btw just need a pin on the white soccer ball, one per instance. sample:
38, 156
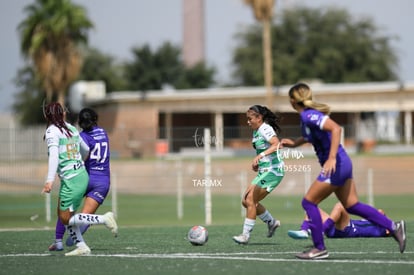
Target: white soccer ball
198, 235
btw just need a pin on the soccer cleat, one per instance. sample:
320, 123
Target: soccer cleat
399, 235
298, 234
241, 239
56, 246
272, 228
111, 223
81, 250
313, 254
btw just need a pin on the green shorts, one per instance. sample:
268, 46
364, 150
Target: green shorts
268, 180
72, 191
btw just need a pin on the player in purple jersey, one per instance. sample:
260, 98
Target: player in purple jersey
338, 224
98, 167
336, 173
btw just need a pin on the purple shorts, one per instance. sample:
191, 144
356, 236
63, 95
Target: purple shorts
98, 188
342, 173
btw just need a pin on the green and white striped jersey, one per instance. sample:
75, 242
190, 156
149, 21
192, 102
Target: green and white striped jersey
260, 141
70, 161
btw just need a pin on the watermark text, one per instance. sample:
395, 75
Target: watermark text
207, 182
199, 139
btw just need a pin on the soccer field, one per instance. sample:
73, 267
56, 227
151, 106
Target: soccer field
164, 250
152, 240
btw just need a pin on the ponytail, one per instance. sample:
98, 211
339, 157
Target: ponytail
273, 119
54, 114
302, 95
88, 118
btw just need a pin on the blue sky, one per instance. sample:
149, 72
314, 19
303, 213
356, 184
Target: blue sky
123, 24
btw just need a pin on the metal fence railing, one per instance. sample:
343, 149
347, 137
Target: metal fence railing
23, 158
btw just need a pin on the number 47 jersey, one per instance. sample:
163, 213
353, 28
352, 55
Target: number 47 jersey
99, 155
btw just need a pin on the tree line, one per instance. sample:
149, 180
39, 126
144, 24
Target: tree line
326, 44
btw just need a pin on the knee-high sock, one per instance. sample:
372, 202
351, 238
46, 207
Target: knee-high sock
315, 223
266, 217
75, 234
86, 219
60, 230
248, 226
370, 213
328, 224
305, 226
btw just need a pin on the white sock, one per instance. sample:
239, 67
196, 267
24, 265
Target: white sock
85, 219
248, 226
266, 217
75, 234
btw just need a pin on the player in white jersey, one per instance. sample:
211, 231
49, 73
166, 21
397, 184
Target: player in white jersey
65, 151
98, 167
269, 166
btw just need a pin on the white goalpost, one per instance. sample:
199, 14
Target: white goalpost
48, 205
180, 203
114, 193
207, 176
370, 187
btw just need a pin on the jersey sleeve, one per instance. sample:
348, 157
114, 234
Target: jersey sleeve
84, 147
51, 137
267, 132
314, 118
53, 161
322, 122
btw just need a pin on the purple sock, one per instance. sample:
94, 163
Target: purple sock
315, 223
60, 230
305, 226
84, 228
328, 224
370, 213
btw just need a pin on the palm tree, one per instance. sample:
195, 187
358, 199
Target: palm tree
50, 38
263, 12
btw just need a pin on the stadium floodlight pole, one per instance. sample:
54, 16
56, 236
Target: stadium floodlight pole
207, 175
267, 56
263, 12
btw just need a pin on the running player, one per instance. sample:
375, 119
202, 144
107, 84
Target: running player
336, 173
65, 148
269, 167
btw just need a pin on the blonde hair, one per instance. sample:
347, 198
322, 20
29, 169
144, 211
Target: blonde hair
302, 95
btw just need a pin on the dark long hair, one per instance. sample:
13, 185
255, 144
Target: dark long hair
87, 119
55, 114
271, 118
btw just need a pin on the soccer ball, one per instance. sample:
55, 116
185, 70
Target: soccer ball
198, 235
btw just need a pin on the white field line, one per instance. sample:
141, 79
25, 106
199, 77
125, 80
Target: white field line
236, 257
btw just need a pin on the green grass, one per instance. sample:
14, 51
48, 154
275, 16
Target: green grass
152, 240
164, 250
16, 210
